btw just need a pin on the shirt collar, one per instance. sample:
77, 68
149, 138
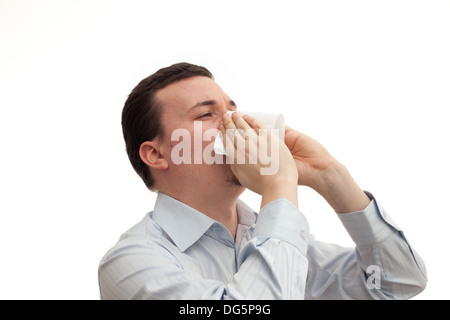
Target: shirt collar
185, 225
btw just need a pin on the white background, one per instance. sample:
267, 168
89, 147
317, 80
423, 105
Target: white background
370, 80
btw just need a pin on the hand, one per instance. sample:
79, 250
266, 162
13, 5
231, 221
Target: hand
323, 173
310, 157
247, 141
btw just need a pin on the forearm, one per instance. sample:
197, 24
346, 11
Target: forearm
339, 189
282, 189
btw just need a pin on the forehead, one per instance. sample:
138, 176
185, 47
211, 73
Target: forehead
187, 92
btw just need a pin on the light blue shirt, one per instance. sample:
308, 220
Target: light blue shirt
176, 252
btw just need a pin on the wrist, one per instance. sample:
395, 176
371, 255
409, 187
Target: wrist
333, 174
339, 189
280, 188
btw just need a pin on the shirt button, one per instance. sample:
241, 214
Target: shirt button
304, 235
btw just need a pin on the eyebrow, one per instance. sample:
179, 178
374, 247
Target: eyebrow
211, 103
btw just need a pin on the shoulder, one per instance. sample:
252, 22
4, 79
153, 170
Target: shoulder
143, 253
144, 237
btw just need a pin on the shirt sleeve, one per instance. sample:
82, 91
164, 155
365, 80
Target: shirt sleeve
273, 264
383, 265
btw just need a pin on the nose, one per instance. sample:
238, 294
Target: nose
227, 105
223, 108
227, 111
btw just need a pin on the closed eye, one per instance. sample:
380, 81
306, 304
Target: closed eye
205, 115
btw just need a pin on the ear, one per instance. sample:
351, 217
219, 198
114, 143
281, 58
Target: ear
150, 153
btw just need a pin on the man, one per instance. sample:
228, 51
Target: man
202, 242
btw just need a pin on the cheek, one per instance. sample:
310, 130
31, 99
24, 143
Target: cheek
192, 144
204, 133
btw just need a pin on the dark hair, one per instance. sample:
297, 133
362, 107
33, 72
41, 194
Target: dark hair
141, 115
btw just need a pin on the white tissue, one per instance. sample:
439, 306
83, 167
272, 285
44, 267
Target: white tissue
271, 120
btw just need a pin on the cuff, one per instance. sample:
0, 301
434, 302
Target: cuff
369, 226
280, 219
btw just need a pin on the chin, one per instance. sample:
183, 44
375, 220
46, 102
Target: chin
233, 183
232, 180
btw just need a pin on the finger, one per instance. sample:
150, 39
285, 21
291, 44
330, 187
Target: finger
243, 128
289, 129
222, 132
233, 144
254, 123
235, 127
240, 122
228, 129
228, 122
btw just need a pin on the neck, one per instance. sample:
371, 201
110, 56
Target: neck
220, 209
218, 206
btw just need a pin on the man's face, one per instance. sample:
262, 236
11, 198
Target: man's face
195, 105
